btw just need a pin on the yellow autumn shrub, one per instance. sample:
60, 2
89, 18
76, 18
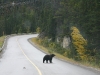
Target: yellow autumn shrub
38, 30
65, 53
52, 45
40, 41
79, 43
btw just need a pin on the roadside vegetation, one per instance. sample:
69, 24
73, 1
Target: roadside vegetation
63, 54
48, 50
2, 38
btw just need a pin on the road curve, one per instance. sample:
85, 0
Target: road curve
21, 58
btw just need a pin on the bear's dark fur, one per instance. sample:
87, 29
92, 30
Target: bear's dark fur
48, 57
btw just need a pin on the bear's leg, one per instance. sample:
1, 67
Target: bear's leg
43, 60
50, 61
46, 61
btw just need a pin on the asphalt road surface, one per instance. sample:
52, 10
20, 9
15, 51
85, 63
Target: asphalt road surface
21, 58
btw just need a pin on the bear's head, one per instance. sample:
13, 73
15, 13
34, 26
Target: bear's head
52, 55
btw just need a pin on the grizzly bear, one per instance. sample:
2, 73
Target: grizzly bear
48, 57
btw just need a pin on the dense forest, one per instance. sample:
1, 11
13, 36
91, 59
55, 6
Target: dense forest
77, 19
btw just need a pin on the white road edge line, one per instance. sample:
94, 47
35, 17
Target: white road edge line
28, 58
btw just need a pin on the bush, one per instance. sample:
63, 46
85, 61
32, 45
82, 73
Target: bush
52, 45
38, 30
79, 43
45, 42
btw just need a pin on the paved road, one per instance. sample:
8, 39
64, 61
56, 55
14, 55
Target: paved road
21, 58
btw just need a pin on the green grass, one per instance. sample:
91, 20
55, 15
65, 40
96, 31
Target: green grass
1, 40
